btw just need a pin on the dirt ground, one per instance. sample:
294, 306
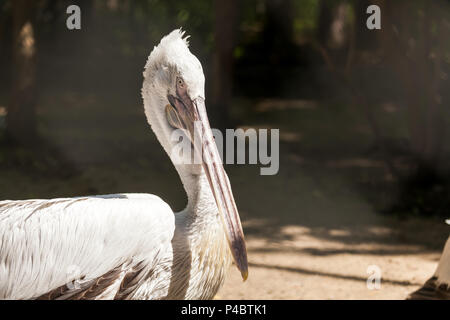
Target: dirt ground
305, 267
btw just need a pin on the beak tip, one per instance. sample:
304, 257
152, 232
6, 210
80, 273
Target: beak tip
244, 275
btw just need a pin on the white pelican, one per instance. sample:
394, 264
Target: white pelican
438, 286
132, 246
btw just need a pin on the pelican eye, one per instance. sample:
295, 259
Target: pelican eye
181, 86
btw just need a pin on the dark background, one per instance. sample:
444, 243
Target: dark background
363, 114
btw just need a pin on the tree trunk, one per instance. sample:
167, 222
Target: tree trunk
324, 21
222, 61
365, 39
334, 31
279, 29
21, 116
415, 54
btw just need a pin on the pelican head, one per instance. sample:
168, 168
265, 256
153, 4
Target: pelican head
174, 98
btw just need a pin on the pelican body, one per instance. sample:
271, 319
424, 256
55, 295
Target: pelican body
438, 286
132, 246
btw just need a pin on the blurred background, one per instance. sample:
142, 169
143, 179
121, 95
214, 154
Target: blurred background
363, 115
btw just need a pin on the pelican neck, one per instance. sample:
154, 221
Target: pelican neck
201, 202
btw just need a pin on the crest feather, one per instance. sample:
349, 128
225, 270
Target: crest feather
158, 53
177, 34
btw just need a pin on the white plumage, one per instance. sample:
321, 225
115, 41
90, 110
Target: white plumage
46, 244
442, 273
438, 286
132, 246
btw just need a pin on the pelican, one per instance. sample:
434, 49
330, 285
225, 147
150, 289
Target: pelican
133, 246
438, 286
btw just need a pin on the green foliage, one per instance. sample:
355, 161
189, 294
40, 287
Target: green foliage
148, 20
306, 13
426, 193
4, 6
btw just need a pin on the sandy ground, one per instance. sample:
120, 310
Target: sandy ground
305, 267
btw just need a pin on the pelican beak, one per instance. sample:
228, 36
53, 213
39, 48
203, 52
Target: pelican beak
191, 116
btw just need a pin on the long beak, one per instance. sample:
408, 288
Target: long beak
193, 118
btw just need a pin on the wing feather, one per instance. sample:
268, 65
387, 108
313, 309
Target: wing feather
99, 241
443, 270
431, 290
438, 286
